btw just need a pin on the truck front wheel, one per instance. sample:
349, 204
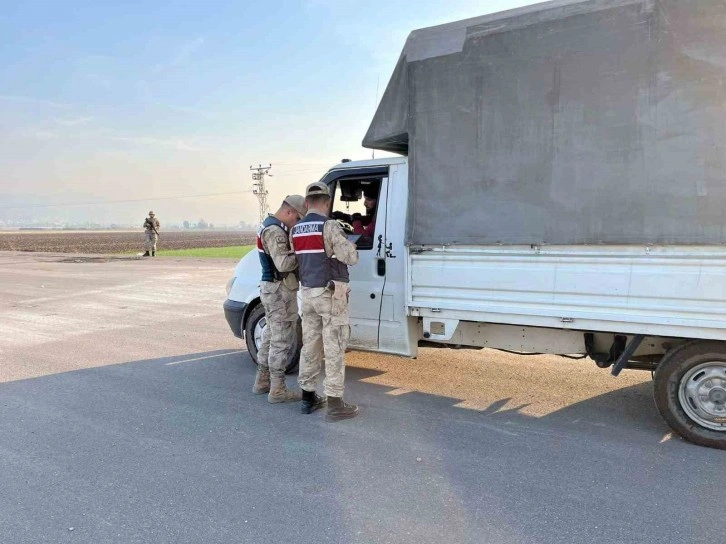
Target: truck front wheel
254, 326
690, 392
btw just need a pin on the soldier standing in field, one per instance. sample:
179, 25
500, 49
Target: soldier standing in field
151, 229
323, 254
278, 293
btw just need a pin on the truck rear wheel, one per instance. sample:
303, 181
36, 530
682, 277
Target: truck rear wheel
253, 336
690, 392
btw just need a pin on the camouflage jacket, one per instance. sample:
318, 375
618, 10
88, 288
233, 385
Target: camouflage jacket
336, 245
276, 243
151, 223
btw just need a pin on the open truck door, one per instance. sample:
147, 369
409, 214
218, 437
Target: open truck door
349, 189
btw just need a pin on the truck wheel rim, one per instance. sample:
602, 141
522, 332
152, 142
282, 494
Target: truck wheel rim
258, 332
702, 394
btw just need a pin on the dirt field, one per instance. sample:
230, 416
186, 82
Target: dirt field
117, 241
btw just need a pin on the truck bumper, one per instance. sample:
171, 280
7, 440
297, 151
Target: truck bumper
234, 312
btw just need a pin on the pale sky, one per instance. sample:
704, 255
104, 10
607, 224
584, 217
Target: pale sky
148, 101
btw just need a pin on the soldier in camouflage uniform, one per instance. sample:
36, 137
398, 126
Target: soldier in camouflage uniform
323, 253
278, 293
151, 229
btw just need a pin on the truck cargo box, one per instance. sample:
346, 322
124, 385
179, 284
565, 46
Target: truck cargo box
567, 122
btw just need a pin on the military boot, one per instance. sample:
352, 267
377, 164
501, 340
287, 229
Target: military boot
146, 254
311, 401
280, 393
338, 410
262, 381
153, 253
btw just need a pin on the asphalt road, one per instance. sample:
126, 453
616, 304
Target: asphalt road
126, 416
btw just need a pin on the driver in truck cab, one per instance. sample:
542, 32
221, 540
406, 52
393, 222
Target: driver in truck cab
370, 201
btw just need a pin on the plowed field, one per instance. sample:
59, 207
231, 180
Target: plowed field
117, 241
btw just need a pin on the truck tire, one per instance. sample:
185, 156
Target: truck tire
253, 336
690, 392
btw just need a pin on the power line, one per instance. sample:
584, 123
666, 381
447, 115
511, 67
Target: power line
312, 164
309, 170
304, 169
101, 202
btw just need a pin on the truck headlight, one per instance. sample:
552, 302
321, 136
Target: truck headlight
230, 283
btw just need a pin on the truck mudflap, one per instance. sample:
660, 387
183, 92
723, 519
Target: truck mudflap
234, 313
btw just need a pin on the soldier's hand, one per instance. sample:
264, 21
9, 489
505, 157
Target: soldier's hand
347, 227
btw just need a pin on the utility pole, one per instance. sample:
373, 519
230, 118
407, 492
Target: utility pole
259, 189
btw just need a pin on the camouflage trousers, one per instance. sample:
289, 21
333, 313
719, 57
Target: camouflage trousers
326, 331
279, 333
151, 239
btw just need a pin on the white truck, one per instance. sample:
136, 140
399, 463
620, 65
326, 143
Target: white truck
562, 190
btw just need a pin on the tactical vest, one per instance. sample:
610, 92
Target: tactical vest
316, 269
269, 272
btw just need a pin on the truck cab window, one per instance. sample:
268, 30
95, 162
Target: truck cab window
356, 203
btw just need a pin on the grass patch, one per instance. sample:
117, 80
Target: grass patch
231, 252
